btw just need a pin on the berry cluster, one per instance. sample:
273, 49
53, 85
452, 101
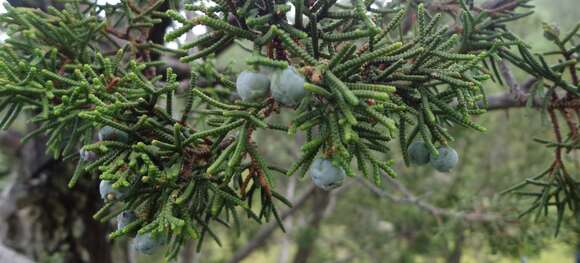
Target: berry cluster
110, 192
285, 85
443, 160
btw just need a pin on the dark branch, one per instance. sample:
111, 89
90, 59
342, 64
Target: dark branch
511, 81
517, 95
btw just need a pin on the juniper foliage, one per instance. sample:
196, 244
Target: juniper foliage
369, 82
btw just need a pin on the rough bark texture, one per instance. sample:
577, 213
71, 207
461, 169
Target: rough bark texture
41, 217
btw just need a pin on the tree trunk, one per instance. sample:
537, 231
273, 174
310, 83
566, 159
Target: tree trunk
42, 217
283, 257
577, 217
321, 200
455, 256
267, 230
188, 253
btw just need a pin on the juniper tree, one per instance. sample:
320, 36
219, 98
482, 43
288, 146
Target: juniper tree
356, 78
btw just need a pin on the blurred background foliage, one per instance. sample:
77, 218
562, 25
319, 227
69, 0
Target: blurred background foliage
359, 226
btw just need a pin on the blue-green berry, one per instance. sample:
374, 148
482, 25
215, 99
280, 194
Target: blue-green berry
125, 218
109, 193
147, 243
287, 86
252, 86
418, 153
446, 160
326, 175
109, 133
